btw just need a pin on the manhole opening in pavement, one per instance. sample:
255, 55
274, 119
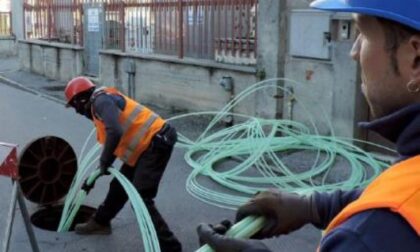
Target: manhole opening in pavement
49, 217
54, 88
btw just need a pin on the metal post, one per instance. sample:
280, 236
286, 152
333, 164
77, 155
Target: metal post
256, 28
27, 220
122, 30
24, 6
10, 219
181, 30
130, 69
17, 196
81, 13
10, 23
49, 21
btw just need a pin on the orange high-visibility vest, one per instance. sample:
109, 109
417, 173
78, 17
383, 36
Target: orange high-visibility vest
397, 189
139, 125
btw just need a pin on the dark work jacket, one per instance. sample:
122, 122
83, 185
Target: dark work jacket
107, 108
377, 230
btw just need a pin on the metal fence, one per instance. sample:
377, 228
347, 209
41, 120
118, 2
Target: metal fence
192, 28
54, 20
5, 24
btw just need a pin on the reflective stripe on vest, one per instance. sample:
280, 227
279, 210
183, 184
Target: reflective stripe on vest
133, 115
139, 125
138, 137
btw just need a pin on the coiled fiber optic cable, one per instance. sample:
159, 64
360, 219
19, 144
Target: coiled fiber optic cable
76, 197
256, 141
259, 146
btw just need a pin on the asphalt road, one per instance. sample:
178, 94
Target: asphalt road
26, 116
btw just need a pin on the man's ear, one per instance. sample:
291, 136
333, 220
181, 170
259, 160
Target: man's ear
414, 43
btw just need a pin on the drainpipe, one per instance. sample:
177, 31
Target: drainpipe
130, 69
290, 102
228, 85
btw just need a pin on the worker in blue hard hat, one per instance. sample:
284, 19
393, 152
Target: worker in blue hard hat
385, 216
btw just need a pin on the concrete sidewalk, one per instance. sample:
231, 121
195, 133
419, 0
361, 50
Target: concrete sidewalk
11, 74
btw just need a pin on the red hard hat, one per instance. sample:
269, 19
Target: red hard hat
76, 86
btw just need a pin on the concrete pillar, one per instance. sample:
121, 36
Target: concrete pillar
272, 37
17, 18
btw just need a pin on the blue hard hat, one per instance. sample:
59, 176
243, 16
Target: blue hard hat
406, 12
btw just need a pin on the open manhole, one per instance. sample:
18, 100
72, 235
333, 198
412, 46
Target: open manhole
49, 217
47, 167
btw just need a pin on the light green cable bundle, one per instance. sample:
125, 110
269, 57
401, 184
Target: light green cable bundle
257, 143
254, 144
76, 197
72, 207
147, 229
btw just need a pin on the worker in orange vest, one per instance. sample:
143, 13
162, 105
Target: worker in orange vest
140, 138
386, 215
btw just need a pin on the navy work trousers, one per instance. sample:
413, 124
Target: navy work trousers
145, 178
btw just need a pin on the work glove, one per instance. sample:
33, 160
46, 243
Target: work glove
103, 170
220, 228
215, 238
284, 212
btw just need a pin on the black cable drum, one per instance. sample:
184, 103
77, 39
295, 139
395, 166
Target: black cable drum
47, 167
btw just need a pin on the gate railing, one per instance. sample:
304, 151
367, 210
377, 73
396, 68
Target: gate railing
5, 24
204, 29
54, 20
